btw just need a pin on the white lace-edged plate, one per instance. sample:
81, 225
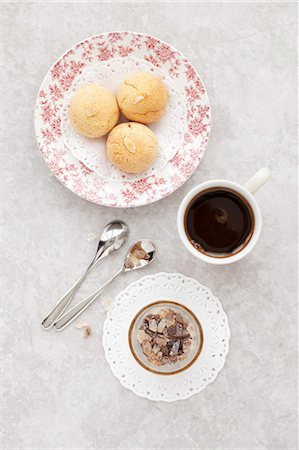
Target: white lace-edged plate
196, 297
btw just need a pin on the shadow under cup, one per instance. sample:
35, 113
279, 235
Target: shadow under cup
219, 222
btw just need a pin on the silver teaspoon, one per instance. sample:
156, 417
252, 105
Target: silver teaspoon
139, 255
112, 238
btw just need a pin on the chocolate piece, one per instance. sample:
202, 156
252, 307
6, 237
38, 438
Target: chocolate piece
144, 326
165, 350
171, 331
150, 333
165, 337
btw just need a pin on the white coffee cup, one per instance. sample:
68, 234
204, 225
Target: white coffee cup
245, 191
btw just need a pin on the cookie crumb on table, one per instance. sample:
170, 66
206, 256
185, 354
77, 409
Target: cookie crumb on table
107, 303
80, 324
87, 332
87, 329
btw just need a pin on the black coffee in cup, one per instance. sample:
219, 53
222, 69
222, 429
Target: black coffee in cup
219, 222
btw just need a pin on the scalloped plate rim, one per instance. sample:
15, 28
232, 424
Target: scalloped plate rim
195, 391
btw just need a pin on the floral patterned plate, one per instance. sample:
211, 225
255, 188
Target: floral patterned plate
89, 184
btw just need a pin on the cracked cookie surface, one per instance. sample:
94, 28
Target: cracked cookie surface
142, 97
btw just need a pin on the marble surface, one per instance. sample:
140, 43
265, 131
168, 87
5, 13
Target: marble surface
58, 391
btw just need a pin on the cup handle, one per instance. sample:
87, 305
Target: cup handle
257, 181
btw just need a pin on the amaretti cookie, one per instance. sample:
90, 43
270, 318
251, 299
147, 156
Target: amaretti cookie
132, 147
93, 111
142, 97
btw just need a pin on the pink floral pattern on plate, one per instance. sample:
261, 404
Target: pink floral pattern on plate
74, 174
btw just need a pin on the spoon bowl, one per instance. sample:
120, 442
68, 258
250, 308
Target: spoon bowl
140, 254
112, 238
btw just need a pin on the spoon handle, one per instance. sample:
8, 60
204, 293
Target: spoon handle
63, 302
66, 299
74, 312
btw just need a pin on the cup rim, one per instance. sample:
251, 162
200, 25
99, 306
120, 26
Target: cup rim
160, 303
221, 183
